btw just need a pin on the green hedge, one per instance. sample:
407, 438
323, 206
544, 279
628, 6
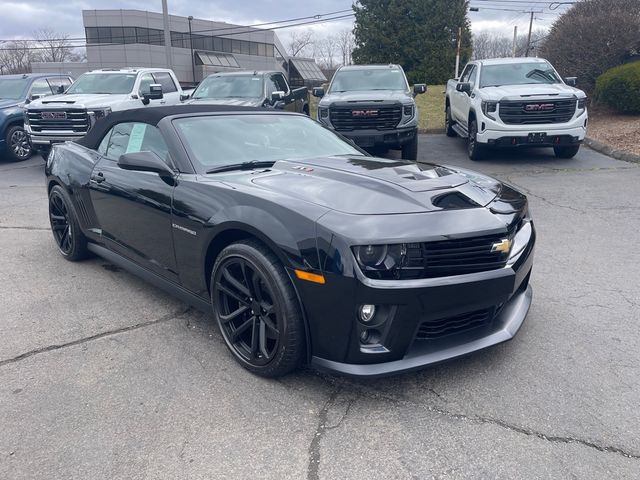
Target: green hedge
619, 88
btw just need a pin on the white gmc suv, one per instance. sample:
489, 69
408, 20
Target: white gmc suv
70, 115
516, 102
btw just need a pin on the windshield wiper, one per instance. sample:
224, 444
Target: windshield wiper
241, 166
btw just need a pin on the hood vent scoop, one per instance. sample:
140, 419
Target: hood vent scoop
454, 201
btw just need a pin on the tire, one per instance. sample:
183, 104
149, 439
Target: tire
448, 122
247, 277
474, 149
69, 238
566, 152
17, 142
410, 150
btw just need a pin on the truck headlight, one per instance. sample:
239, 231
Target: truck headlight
488, 108
96, 114
408, 110
582, 105
323, 113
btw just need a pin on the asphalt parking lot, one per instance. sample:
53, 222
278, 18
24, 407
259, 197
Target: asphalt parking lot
105, 377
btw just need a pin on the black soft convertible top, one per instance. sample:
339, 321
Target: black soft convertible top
150, 115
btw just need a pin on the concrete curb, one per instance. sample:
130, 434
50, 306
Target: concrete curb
610, 151
432, 131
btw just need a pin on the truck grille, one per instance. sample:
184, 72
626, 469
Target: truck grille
372, 117
457, 324
72, 120
537, 112
446, 258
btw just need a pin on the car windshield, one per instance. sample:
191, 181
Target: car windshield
230, 86
368, 79
112, 83
13, 88
215, 141
518, 74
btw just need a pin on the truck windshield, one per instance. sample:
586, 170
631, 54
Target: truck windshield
368, 79
13, 88
230, 86
518, 74
95, 83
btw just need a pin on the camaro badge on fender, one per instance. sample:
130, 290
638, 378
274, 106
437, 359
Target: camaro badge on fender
503, 246
184, 229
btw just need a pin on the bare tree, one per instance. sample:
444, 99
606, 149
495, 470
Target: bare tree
16, 56
301, 43
326, 50
492, 45
55, 47
345, 43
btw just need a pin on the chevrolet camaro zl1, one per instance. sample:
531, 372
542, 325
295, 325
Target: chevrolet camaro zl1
306, 249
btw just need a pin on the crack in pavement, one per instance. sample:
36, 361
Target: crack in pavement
476, 419
313, 467
540, 197
80, 341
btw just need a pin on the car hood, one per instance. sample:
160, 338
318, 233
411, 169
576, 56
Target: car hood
529, 91
78, 100
8, 103
361, 185
238, 102
367, 96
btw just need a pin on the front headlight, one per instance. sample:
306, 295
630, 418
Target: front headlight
520, 242
96, 114
582, 105
488, 108
323, 114
380, 257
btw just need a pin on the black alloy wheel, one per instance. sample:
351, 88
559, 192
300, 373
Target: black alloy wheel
257, 310
474, 149
448, 122
18, 144
66, 232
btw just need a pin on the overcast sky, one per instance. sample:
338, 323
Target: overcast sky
19, 19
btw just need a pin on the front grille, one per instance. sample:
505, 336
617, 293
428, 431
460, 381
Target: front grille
447, 257
537, 112
76, 120
457, 324
372, 117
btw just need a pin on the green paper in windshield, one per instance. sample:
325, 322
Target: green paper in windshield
135, 137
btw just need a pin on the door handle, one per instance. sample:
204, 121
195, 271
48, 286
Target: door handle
97, 177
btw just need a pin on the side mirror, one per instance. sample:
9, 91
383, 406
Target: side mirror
463, 87
184, 96
60, 89
144, 162
419, 88
318, 92
571, 81
277, 96
154, 93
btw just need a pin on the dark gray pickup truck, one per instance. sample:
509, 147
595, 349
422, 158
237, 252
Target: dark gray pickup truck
251, 89
373, 106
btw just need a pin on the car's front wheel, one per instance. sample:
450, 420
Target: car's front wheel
566, 152
474, 149
448, 122
257, 309
64, 224
18, 148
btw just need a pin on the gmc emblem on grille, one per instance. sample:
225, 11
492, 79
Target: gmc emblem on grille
53, 115
364, 113
539, 107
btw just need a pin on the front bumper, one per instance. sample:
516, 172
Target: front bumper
554, 135
381, 138
407, 306
49, 137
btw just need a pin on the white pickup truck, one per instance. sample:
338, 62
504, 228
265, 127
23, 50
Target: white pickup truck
516, 102
70, 115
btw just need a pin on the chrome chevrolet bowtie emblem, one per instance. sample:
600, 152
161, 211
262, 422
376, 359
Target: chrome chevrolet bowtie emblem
502, 246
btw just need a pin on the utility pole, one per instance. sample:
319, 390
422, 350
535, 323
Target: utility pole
167, 33
193, 60
529, 38
515, 39
458, 52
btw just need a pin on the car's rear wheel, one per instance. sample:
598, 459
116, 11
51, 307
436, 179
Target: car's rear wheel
410, 150
257, 309
474, 149
18, 148
566, 152
448, 122
64, 224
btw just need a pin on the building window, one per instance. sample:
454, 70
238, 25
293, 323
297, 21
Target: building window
253, 48
142, 35
269, 50
244, 47
226, 45
262, 51
129, 34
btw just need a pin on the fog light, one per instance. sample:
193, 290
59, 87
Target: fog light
367, 312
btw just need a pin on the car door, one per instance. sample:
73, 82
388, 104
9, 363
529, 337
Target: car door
460, 100
277, 83
133, 209
146, 80
169, 89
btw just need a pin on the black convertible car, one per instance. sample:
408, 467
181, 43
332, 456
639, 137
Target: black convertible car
307, 249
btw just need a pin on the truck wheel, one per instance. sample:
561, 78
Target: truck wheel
566, 152
475, 149
18, 148
448, 122
410, 150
